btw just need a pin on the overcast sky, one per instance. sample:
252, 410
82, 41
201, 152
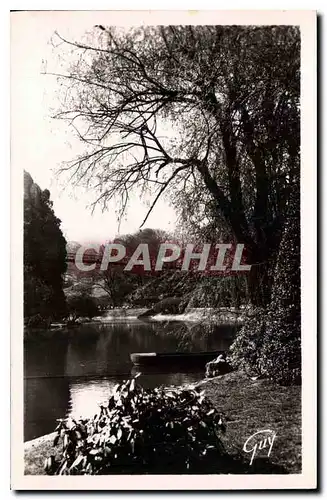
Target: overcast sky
40, 144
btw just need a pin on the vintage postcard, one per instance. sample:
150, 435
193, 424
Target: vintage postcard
163, 250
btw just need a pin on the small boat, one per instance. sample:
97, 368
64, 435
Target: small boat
173, 358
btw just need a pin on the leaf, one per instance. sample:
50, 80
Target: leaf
107, 451
95, 451
56, 439
76, 462
70, 423
48, 464
59, 426
112, 439
63, 467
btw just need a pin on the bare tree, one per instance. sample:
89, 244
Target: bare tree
170, 108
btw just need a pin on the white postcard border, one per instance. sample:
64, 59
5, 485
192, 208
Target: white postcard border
307, 479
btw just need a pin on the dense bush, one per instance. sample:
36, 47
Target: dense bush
174, 430
268, 346
270, 343
81, 305
44, 257
245, 352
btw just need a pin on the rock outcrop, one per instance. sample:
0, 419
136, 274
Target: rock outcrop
218, 366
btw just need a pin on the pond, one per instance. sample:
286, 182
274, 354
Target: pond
67, 372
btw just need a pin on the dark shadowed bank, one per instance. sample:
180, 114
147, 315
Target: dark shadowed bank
247, 406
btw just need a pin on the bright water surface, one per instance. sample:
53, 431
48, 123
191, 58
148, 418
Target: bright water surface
67, 372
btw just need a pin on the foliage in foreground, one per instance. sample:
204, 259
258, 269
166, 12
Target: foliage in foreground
173, 430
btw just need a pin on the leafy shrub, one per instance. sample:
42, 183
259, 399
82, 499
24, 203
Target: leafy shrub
270, 343
81, 305
281, 356
269, 347
245, 352
168, 305
37, 321
41, 301
173, 430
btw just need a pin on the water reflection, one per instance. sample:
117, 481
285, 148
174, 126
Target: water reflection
71, 371
86, 395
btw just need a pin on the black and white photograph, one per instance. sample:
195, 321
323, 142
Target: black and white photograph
163, 317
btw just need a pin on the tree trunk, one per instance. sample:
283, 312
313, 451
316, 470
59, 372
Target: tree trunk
260, 276
259, 285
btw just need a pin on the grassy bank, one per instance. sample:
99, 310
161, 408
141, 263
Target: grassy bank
35, 453
247, 407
